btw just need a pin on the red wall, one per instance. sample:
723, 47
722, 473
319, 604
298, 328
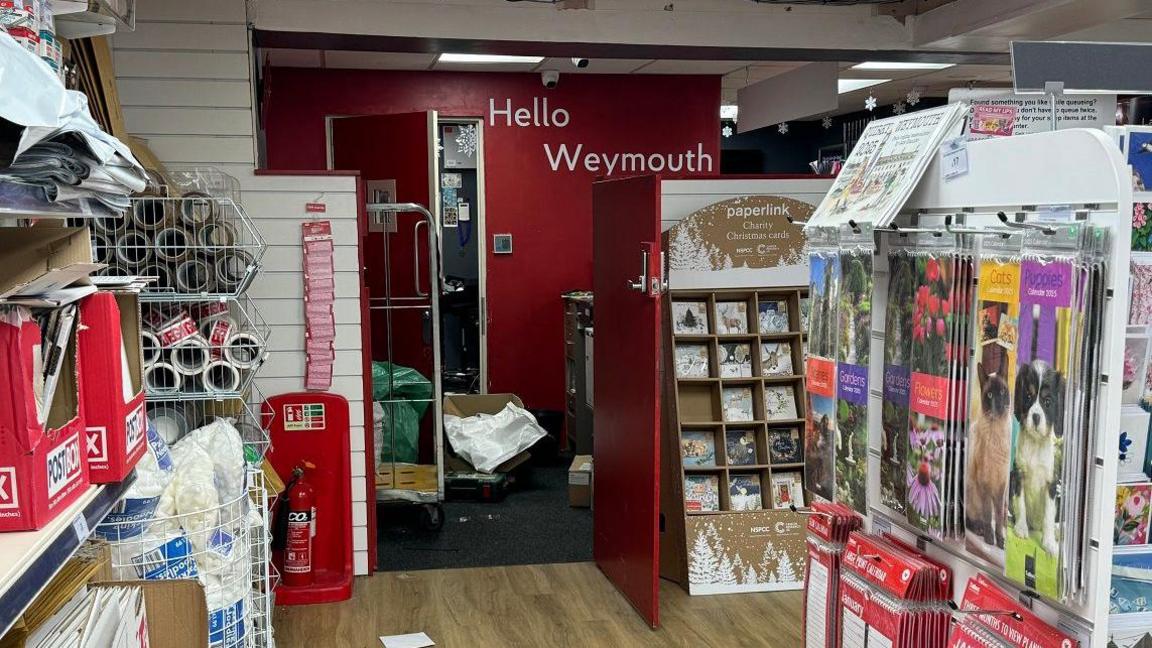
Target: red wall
548, 213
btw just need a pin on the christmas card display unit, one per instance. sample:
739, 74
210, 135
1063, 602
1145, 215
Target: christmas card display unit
738, 395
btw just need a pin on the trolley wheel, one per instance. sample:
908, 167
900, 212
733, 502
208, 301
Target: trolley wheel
432, 517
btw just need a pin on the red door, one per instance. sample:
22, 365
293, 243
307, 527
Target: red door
626, 511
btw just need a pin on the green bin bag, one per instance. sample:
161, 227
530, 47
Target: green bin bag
405, 399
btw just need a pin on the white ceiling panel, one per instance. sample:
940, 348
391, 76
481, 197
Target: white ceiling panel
666, 66
378, 60
595, 66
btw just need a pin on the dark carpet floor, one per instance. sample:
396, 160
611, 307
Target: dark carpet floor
533, 525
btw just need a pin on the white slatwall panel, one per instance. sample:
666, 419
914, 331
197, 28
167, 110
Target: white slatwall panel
184, 79
276, 206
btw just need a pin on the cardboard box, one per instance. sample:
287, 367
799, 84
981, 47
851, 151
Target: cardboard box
580, 482
177, 612
465, 405
43, 468
44, 258
112, 385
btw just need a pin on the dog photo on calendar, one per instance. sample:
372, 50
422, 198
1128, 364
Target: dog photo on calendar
1035, 524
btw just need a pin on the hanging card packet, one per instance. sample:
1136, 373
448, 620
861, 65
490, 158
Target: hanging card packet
988, 458
930, 386
853, 355
820, 438
1036, 484
897, 375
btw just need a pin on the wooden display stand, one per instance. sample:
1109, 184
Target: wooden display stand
740, 251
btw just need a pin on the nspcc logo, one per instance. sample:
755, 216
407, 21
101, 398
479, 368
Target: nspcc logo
63, 465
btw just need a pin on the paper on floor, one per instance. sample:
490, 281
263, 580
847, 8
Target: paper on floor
415, 640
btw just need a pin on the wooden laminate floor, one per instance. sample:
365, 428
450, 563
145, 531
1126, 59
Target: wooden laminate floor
536, 606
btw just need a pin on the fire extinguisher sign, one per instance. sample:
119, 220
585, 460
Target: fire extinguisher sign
302, 417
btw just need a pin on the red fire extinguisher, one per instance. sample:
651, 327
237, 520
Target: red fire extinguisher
301, 529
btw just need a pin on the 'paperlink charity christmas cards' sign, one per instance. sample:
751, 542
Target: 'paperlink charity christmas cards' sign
886, 165
757, 551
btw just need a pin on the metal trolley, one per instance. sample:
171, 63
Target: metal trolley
411, 484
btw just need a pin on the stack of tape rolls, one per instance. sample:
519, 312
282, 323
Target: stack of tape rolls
203, 348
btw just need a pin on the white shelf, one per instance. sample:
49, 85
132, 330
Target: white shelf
30, 559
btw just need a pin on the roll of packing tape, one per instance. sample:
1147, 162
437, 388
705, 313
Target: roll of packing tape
232, 268
220, 376
216, 235
207, 325
149, 213
150, 348
108, 226
102, 249
244, 350
197, 208
172, 244
189, 357
133, 249
170, 421
193, 276
160, 271
162, 378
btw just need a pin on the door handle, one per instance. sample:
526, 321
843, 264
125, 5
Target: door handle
416, 256
641, 284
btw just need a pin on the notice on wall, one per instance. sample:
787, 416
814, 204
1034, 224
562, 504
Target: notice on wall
319, 295
996, 113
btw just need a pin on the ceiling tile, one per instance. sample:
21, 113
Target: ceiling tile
378, 60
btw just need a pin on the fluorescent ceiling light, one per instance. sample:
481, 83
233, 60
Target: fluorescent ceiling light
852, 85
489, 58
889, 65
729, 111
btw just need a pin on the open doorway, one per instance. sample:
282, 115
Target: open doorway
428, 350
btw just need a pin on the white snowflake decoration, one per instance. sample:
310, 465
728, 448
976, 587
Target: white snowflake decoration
870, 103
726, 131
826, 123
466, 140
913, 96
899, 108
783, 128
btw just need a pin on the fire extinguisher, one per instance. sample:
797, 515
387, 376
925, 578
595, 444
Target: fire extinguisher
299, 523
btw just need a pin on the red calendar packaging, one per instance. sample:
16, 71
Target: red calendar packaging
829, 526
989, 616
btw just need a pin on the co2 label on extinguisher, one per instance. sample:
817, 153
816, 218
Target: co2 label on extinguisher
298, 554
302, 417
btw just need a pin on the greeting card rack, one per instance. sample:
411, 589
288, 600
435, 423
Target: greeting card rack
1071, 175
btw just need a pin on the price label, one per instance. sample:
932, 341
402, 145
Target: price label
954, 158
80, 526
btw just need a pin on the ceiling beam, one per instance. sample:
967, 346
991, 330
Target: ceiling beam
991, 25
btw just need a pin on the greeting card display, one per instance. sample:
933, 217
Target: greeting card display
737, 403
731, 317
1133, 444
701, 493
698, 449
735, 360
823, 330
691, 361
1137, 344
897, 376
776, 359
690, 318
773, 317
852, 360
787, 490
991, 385
741, 447
784, 446
779, 403
744, 493
1133, 510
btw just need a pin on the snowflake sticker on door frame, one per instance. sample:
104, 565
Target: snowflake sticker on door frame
783, 128
467, 140
913, 96
899, 108
826, 123
870, 103
726, 131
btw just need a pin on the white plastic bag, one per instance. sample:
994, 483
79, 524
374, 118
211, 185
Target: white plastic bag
488, 440
135, 512
377, 430
221, 440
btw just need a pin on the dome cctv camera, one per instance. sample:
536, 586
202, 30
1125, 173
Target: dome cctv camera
550, 78
580, 62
